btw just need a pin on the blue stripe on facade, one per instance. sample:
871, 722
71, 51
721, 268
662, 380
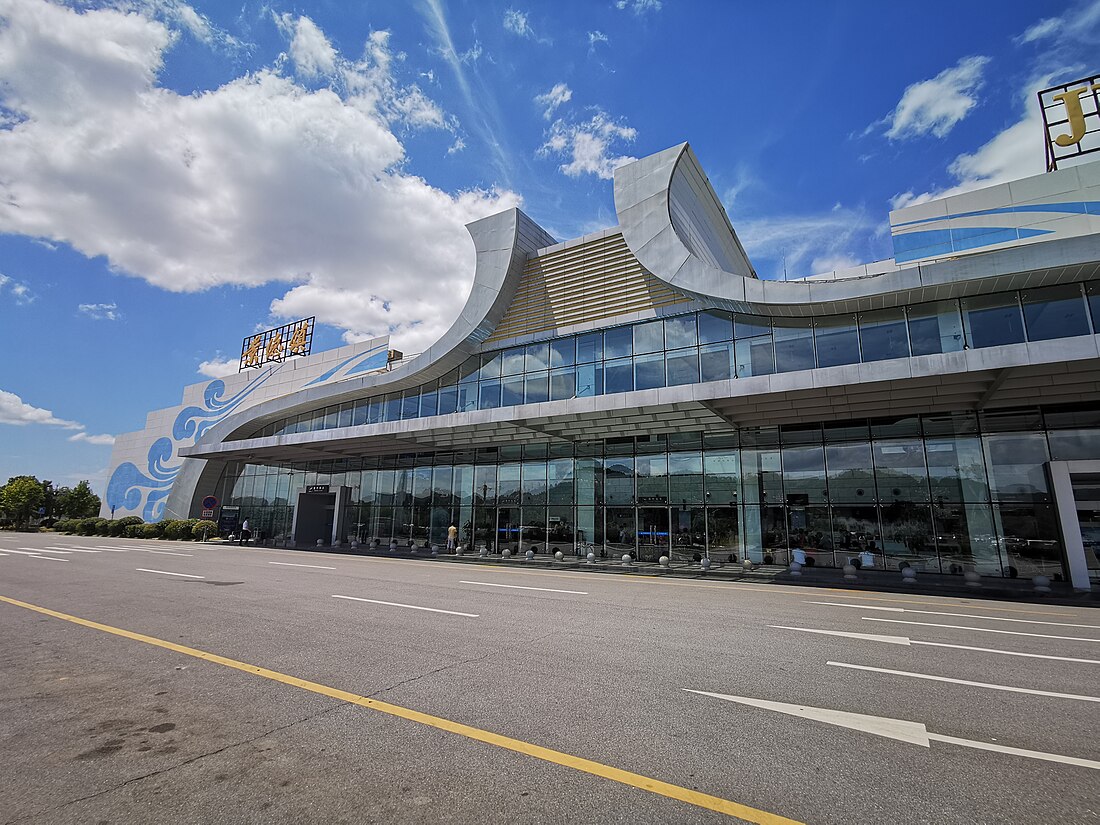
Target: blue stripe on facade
934, 242
1072, 208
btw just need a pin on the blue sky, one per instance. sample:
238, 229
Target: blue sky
173, 176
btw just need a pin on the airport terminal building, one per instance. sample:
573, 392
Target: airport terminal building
640, 390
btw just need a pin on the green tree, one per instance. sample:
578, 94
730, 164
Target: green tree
21, 497
79, 502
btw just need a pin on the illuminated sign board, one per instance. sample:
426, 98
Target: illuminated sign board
1071, 119
277, 344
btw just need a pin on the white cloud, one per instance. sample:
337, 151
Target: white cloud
595, 38
13, 410
20, 293
516, 22
102, 440
554, 98
219, 367
100, 312
1078, 23
259, 180
310, 50
808, 244
1044, 28
587, 146
935, 106
638, 6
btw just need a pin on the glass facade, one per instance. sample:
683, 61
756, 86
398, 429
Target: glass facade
715, 346
943, 492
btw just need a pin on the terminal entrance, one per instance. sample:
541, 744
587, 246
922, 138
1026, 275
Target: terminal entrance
318, 516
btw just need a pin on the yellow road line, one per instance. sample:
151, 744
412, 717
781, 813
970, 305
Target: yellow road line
645, 783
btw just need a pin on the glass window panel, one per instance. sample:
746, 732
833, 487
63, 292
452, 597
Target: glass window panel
490, 365
467, 397
1092, 290
908, 538
1068, 445
359, 413
560, 530
512, 361
485, 484
410, 404
1055, 312
442, 478
685, 473
469, 370
755, 356
1015, 465
462, 484
649, 337
508, 486
534, 482
900, 471
652, 473
489, 395
836, 431
683, 367
559, 481
332, 417
537, 357
751, 326
966, 539
618, 343
804, 475
429, 403
392, 409
511, 393
837, 341
1072, 416
993, 320
723, 476
688, 533
649, 371
680, 331
620, 530
792, 434
1025, 419
851, 479
1030, 537
619, 480
883, 335
563, 383
716, 362
810, 536
562, 352
903, 426
589, 348
589, 481
856, 535
794, 344
762, 476
935, 327
422, 485
653, 536
344, 418
715, 326
536, 388
448, 399
618, 375
723, 534
589, 380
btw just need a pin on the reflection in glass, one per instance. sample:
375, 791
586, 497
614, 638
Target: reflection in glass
883, 335
794, 344
907, 537
715, 362
1055, 312
935, 327
993, 320
837, 341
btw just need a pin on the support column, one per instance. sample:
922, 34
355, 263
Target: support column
1062, 487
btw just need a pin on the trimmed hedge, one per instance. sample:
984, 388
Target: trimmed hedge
118, 527
204, 529
152, 531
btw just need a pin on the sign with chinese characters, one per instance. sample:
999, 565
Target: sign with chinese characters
1071, 119
317, 488
277, 344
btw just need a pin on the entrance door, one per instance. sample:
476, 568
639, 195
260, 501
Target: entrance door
508, 524
314, 518
652, 533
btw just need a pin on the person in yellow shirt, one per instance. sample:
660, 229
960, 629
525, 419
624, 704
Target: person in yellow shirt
452, 538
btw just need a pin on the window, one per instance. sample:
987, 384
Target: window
536, 388
683, 367
837, 341
619, 375
512, 361
448, 399
649, 337
489, 395
750, 326
755, 356
618, 343
649, 371
882, 335
562, 352
563, 383
993, 320
680, 332
537, 357
589, 380
794, 344
589, 348
715, 327
490, 365
715, 361
429, 402
1055, 312
935, 328
511, 393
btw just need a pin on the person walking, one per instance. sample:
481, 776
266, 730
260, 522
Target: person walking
246, 534
452, 538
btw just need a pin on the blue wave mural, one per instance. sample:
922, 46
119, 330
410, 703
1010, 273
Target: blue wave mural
373, 359
132, 488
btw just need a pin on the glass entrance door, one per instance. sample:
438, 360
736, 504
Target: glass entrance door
653, 533
508, 529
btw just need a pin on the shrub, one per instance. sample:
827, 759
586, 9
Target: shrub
67, 525
134, 531
171, 529
118, 527
102, 527
152, 531
186, 526
202, 529
90, 526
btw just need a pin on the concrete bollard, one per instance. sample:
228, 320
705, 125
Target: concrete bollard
355, 544
458, 549
626, 560
1041, 583
483, 552
663, 561
705, 564
908, 575
746, 565
559, 555
796, 569
973, 578
320, 542
506, 553
530, 554
850, 573
393, 546
412, 549
591, 558
435, 550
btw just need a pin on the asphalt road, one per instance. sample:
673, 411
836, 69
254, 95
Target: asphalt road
518, 695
